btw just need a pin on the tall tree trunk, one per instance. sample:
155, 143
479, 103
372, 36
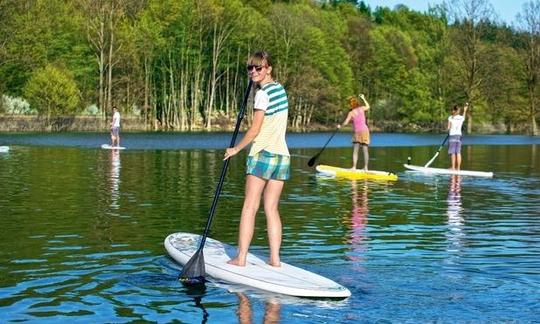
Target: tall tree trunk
146, 109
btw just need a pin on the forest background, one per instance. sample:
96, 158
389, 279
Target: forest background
179, 65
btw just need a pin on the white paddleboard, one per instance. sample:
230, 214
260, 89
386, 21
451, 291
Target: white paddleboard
287, 280
448, 171
4, 149
108, 147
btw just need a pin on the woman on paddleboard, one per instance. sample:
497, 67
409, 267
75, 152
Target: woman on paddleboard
268, 160
455, 121
360, 129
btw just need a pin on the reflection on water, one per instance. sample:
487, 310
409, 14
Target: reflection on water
454, 213
358, 218
115, 178
245, 312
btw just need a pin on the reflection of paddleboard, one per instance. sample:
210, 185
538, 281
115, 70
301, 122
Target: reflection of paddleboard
4, 149
355, 173
448, 171
287, 280
108, 147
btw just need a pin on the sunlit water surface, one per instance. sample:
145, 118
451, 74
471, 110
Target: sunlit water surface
83, 230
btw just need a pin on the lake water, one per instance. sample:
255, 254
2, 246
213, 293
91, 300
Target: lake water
83, 230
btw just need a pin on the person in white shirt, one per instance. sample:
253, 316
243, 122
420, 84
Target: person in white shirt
455, 122
115, 128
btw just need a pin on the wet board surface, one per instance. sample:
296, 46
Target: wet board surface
448, 171
355, 173
108, 147
287, 279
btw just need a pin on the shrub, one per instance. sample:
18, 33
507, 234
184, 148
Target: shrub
91, 110
52, 91
16, 106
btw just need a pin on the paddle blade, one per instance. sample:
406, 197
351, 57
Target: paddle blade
432, 159
193, 272
311, 161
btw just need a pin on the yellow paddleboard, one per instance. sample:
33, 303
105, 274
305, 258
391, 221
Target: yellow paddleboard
355, 173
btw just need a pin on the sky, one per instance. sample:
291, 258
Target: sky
506, 10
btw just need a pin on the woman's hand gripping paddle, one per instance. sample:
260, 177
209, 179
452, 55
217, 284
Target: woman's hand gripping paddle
194, 271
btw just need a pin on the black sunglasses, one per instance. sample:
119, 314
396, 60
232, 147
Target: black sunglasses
257, 68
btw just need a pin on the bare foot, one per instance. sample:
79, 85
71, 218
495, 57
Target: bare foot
237, 262
274, 264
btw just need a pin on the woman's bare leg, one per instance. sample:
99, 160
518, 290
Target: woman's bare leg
254, 189
366, 156
356, 148
272, 192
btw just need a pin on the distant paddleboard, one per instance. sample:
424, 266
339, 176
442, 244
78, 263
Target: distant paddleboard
4, 149
108, 147
287, 280
448, 171
355, 173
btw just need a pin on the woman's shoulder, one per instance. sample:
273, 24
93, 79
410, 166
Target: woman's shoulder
271, 86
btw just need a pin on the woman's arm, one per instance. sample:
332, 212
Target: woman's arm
465, 110
253, 131
347, 120
365, 102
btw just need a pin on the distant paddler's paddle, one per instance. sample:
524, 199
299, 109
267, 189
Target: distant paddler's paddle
438, 151
311, 161
194, 271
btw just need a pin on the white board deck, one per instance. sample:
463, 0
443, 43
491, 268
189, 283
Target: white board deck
108, 147
448, 171
4, 149
287, 279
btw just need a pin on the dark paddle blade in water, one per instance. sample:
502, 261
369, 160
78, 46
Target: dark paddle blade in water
194, 271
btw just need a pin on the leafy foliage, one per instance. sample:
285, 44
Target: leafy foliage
52, 91
181, 62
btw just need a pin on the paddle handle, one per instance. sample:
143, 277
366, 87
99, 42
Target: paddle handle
239, 118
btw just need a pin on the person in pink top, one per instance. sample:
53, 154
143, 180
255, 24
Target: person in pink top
360, 129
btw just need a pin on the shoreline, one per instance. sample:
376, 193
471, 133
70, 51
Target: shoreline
133, 124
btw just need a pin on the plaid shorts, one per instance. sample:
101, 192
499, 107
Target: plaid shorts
268, 166
454, 144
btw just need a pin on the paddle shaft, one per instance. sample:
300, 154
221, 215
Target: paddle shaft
312, 160
438, 151
241, 114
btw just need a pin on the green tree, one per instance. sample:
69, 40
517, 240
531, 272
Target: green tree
52, 91
530, 23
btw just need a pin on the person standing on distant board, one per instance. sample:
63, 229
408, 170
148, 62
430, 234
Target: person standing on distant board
455, 121
268, 161
115, 128
360, 129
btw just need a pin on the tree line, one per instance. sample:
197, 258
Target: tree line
180, 64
